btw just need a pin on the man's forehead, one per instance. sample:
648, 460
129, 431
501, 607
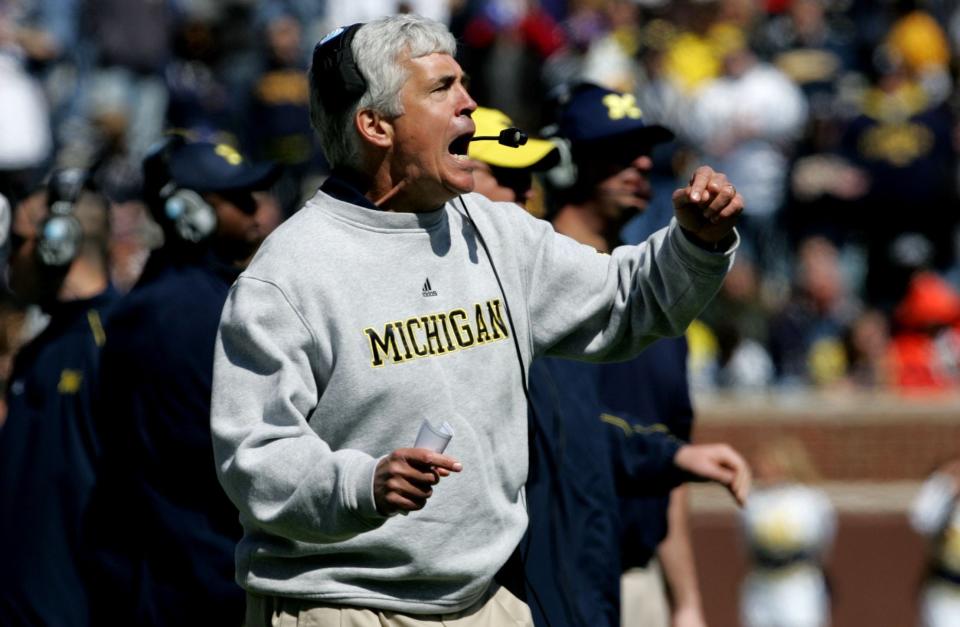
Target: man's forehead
435, 65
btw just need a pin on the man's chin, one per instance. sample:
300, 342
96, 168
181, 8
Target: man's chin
461, 185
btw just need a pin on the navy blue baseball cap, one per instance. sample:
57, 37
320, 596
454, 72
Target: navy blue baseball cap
591, 114
207, 167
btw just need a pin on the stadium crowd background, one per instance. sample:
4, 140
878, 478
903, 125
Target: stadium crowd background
837, 121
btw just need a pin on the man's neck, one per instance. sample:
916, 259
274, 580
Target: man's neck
398, 191
83, 281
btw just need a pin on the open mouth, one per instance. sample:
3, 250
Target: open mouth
459, 146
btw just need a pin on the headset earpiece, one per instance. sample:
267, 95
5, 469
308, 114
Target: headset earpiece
336, 72
184, 210
193, 218
6, 220
60, 234
564, 174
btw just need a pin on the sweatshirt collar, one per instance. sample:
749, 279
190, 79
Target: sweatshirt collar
354, 207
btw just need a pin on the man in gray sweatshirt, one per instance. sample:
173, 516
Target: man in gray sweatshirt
396, 296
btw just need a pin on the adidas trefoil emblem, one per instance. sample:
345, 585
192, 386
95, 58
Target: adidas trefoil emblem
427, 290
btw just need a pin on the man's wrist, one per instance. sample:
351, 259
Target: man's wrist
719, 246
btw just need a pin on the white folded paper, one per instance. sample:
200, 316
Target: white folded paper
433, 438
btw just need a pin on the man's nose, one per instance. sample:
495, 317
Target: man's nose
466, 105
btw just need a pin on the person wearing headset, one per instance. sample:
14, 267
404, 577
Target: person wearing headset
396, 296
572, 549
608, 149
161, 532
49, 444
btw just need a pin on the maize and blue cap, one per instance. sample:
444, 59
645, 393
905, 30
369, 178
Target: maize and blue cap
207, 167
535, 154
593, 114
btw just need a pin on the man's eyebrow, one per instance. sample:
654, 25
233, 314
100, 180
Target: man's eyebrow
444, 80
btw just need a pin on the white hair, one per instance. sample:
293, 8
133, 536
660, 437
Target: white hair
379, 48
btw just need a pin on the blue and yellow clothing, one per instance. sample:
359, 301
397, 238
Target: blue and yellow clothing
48, 451
653, 389
162, 528
583, 454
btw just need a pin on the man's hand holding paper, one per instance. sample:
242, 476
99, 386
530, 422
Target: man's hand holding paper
404, 479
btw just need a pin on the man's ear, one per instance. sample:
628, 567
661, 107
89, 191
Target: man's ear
374, 128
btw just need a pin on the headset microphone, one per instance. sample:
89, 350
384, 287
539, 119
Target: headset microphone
512, 137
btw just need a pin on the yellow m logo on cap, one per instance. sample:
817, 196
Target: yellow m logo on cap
621, 106
229, 154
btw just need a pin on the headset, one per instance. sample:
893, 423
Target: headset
184, 210
564, 174
335, 69
6, 219
60, 234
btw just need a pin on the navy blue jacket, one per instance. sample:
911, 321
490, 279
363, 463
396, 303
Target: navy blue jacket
580, 455
48, 450
162, 527
653, 390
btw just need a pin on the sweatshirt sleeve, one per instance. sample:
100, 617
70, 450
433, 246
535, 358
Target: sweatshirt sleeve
277, 471
600, 307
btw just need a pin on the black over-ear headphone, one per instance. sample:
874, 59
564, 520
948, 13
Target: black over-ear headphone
336, 76
60, 233
190, 216
6, 220
564, 174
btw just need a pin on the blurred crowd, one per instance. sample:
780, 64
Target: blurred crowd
836, 120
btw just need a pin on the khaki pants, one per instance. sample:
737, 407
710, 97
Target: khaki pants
643, 598
500, 609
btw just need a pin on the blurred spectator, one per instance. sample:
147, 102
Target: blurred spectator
126, 98
868, 351
739, 320
49, 444
161, 528
925, 351
584, 26
310, 15
200, 98
806, 337
812, 47
278, 127
746, 123
25, 140
44, 36
691, 57
611, 59
12, 314
346, 13
902, 140
920, 43
789, 527
936, 516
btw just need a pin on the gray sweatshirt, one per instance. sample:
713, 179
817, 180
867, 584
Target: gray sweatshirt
352, 325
